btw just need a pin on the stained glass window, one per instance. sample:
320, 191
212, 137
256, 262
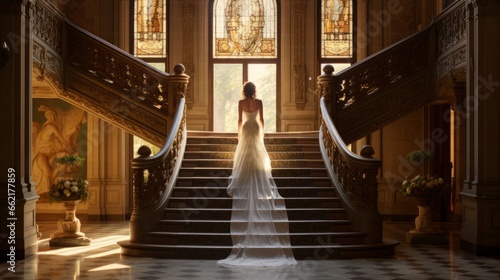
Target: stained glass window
150, 30
336, 29
245, 29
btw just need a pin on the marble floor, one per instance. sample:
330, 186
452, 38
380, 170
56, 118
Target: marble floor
102, 260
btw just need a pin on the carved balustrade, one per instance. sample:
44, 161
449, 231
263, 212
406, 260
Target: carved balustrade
101, 78
153, 174
357, 175
399, 79
154, 177
377, 91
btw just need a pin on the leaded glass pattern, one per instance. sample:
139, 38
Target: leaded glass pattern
150, 28
336, 29
245, 29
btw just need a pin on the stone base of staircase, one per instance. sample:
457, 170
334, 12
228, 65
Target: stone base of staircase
326, 252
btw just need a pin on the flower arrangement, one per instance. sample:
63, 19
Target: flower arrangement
422, 186
72, 189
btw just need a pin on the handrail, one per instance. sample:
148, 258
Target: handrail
98, 77
149, 186
400, 78
155, 176
362, 170
354, 177
117, 68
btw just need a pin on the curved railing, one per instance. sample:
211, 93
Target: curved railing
155, 176
355, 178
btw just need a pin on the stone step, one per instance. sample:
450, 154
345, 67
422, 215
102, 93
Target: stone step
204, 213
267, 141
276, 172
224, 239
269, 147
272, 155
222, 226
305, 252
208, 191
223, 181
226, 202
278, 163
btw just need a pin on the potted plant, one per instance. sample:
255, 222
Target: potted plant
71, 163
70, 192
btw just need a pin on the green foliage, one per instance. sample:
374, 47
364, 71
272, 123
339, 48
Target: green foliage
228, 85
418, 157
70, 159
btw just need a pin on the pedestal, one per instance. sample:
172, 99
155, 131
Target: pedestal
424, 233
68, 229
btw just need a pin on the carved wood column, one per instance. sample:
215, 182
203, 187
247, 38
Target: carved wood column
18, 239
188, 7
481, 193
299, 60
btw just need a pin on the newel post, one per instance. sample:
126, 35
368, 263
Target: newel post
140, 179
326, 88
179, 82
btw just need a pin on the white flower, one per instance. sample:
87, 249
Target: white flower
86, 182
74, 189
67, 192
67, 184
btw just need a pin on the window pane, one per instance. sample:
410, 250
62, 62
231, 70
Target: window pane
264, 78
336, 28
158, 65
228, 83
245, 28
150, 30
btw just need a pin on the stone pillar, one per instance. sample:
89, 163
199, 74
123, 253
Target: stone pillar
18, 238
107, 171
481, 194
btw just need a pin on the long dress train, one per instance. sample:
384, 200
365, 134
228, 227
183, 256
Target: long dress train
259, 221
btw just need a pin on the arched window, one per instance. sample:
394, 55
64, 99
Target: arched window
149, 41
245, 29
337, 33
244, 48
150, 32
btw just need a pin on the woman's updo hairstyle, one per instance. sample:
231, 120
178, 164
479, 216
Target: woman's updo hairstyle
249, 90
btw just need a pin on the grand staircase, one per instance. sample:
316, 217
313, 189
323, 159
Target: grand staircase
180, 205
197, 216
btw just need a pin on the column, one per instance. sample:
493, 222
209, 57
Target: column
107, 171
481, 194
18, 239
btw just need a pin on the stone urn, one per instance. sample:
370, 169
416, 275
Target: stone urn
68, 229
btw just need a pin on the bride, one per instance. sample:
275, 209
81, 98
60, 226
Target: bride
259, 221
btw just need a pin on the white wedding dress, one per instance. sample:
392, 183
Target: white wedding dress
259, 221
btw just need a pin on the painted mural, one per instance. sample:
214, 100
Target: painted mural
59, 129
